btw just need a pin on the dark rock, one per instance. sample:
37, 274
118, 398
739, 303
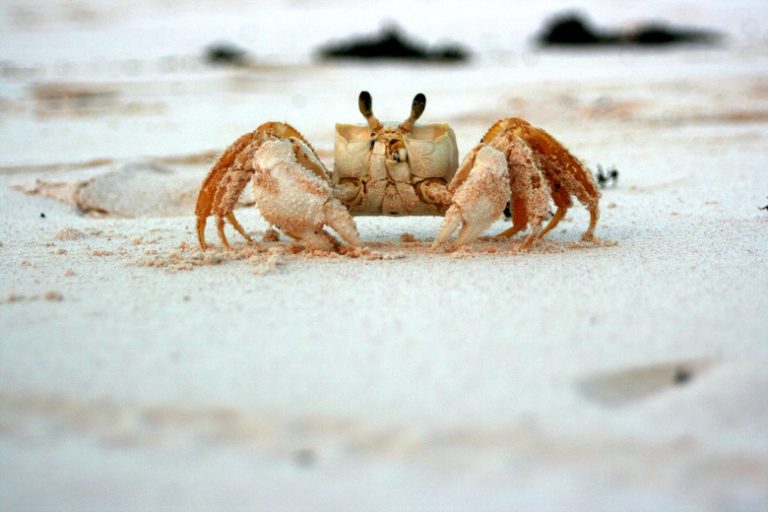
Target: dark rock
391, 43
573, 30
225, 54
662, 35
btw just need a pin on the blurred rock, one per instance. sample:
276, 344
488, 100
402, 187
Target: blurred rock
658, 34
391, 43
573, 30
226, 54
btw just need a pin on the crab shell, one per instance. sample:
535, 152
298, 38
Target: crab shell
382, 175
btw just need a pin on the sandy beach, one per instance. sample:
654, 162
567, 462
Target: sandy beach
138, 372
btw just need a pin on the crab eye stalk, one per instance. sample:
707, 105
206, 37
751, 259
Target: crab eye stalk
417, 108
365, 102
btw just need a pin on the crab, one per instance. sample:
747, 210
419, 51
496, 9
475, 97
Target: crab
398, 169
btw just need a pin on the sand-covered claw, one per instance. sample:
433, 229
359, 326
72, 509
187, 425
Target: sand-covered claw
291, 187
293, 192
480, 193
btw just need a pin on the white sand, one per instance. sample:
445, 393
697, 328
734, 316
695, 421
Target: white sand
473, 381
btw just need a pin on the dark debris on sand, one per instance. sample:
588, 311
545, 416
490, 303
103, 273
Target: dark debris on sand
573, 30
391, 44
607, 177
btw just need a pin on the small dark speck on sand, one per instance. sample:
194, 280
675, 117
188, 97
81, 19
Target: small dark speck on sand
42, 215
682, 376
606, 177
305, 457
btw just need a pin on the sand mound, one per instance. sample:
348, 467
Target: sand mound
134, 189
139, 190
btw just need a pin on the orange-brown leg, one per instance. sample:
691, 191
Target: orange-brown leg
220, 230
594, 213
201, 220
511, 231
532, 237
519, 218
231, 218
567, 176
228, 191
218, 174
563, 201
535, 234
554, 221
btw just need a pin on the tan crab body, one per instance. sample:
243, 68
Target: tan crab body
397, 169
373, 180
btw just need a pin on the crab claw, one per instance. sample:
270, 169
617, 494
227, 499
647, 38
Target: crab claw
293, 192
480, 193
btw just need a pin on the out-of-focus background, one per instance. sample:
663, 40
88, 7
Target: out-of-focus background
141, 78
138, 373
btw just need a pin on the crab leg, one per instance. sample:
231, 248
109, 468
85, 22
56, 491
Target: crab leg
527, 185
519, 219
563, 202
558, 166
214, 180
232, 220
552, 224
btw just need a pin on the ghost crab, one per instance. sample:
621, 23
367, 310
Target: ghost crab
398, 169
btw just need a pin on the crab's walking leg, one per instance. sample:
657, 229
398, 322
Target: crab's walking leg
220, 231
528, 188
230, 189
201, 221
213, 182
519, 219
563, 202
594, 214
232, 220
560, 168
